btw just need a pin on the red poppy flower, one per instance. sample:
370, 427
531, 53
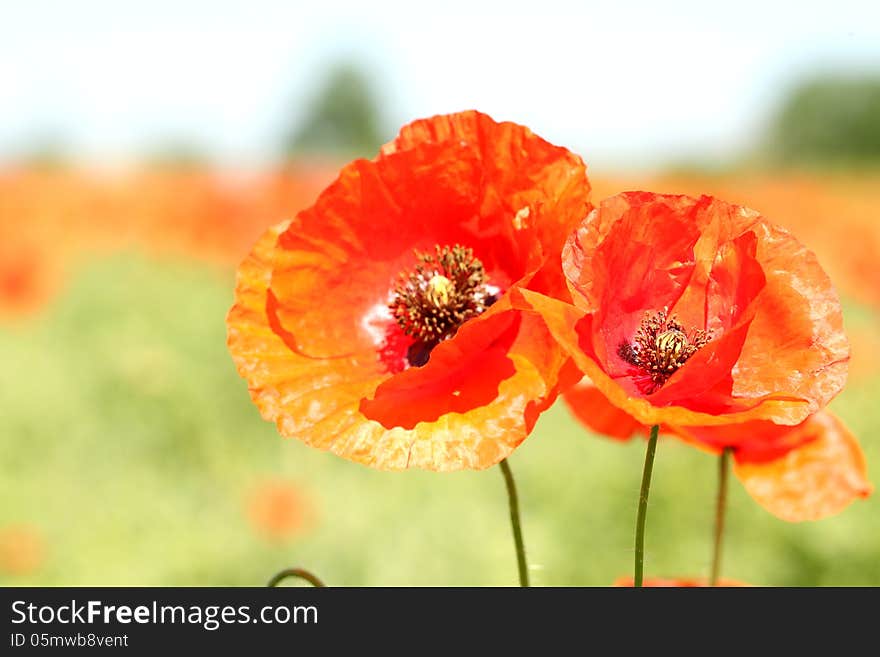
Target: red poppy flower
696, 312
385, 323
805, 472
677, 582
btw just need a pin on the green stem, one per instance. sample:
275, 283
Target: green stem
301, 573
513, 503
720, 512
643, 507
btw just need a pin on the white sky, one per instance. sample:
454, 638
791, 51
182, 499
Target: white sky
627, 84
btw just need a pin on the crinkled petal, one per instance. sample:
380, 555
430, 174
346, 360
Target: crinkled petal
777, 350
493, 187
522, 177
818, 479
796, 343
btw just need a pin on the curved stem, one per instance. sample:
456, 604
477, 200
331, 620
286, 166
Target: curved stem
643, 507
720, 512
301, 573
513, 502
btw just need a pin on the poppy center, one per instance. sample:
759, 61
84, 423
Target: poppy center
444, 290
659, 348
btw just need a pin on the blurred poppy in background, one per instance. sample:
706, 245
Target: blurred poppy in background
29, 277
32, 257
677, 582
22, 550
385, 323
279, 510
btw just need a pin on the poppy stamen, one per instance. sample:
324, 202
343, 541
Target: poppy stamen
660, 347
444, 290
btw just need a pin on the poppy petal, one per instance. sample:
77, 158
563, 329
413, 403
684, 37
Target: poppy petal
592, 409
818, 479
800, 323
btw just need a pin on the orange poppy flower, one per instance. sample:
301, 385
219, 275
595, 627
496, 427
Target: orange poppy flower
678, 582
695, 312
805, 472
385, 323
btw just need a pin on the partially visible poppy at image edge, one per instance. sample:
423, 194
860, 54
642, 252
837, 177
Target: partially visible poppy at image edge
30, 274
22, 550
805, 472
386, 324
678, 582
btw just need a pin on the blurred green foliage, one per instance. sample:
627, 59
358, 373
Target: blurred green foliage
130, 443
343, 118
44, 152
178, 154
828, 120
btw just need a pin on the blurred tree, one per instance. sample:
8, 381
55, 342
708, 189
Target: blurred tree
44, 151
178, 154
343, 119
828, 120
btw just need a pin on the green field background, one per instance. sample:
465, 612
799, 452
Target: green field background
130, 443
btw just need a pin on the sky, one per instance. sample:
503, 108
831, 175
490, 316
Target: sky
626, 84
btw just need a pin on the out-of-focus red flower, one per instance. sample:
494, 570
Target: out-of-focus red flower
678, 582
805, 472
28, 277
696, 312
22, 550
206, 215
386, 324
32, 258
197, 213
279, 510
